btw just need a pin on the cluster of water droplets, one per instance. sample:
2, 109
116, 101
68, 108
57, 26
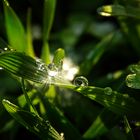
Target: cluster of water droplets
2, 50
54, 74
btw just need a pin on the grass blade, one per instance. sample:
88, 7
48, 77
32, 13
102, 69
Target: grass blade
15, 31
49, 9
102, 124
23, 66
30, 49
32, 122
119, 10
58, 57
128, 129
118, 103
48, 16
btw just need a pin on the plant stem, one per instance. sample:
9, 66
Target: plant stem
31, 106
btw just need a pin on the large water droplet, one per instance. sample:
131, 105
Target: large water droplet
108, 91
80, 81
52, 70
1, 68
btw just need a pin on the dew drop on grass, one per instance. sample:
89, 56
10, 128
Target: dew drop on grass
108, 91
62, 136
1, 68
80, 81
102, 12
52, 70
40, 64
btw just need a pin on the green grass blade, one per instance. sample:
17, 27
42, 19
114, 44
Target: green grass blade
49, 9
58, 57
60, 122
14, 28
45, 54
119, 10
102, 124
32, 122
23, 66
29, 35
31, 106
48, 16
121, 104
128, 129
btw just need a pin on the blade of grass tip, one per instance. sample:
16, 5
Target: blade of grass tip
30, 49
58, 58
31, 106
32, 122
128, 129
45, 53
60, 122
48, 17
119, 10
14, 29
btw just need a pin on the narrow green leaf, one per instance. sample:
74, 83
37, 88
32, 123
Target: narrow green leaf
119, 10
31, 106
23, 66
29, 35
32, 122
128, 129
58, 57
95, 54
45, 54
14, 28
102, 124
49, 9
118, 103
48, 16
57, 119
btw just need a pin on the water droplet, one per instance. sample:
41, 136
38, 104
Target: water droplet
62, 135
80, 81
6, 2
40, 64
52, 70
27, 127
122, 103
103, 11
108, 91
1, 68
6, 49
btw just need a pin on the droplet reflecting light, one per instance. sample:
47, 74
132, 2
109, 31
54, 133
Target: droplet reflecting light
80, 81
